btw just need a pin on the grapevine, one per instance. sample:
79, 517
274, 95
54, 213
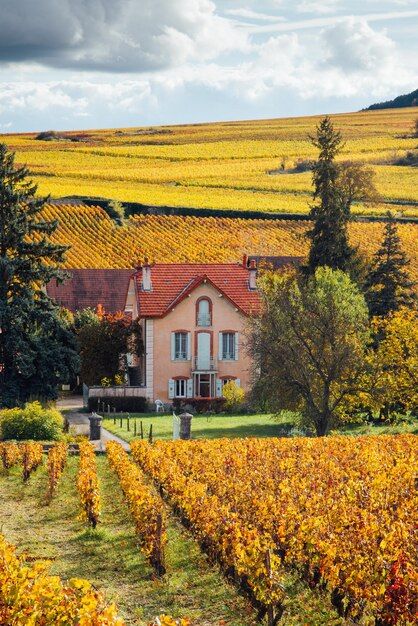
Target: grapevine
57, 458
146, 508
10, 454
32, 456
339, 511
88, 485
28, 595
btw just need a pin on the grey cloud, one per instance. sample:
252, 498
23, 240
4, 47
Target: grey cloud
114, 35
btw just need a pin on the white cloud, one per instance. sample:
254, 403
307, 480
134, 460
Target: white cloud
353, 46
315, 6
253, 15
75, 97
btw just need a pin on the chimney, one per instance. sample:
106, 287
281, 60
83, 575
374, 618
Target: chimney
244, 260
146, 276
252, 279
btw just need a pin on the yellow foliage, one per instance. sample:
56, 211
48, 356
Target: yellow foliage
233, 394
222, 165
88, 485
394, 365
29, 596
146, 508
57, 458
97, 243
341, 510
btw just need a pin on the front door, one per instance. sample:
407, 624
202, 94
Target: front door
203, 351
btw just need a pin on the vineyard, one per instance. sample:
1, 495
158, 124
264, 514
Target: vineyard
55, 568
333, 519
253, 165
97, 242
342, 512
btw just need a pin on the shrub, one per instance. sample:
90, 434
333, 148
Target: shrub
410, 159
31, 422
234, 396
303, 165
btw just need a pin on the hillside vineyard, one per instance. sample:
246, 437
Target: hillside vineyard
97, 242
251, 165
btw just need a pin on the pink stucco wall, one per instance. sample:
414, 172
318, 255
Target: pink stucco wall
225, 317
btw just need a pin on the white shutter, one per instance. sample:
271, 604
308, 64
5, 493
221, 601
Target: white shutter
189, 390
173, 346
189, 346
220, 347
171, 388
237, 381
219, 390
236, 346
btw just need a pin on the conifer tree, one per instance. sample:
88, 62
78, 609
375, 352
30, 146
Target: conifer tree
37, 348
330, 212
389, 286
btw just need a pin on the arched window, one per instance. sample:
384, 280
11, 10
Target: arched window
203, 312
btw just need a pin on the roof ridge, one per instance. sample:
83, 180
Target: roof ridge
196, 280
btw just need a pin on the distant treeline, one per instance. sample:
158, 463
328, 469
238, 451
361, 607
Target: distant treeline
407, 100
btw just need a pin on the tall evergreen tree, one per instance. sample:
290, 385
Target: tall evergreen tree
330, 212
388, 285
37, 348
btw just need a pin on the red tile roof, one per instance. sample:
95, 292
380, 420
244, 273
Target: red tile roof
171, 283
90, 287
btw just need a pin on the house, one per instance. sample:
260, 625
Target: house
193, 320
192, 316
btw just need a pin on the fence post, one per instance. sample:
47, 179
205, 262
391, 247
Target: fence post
128, 422
150, 434
142, 430
95, 427
186, 425
135, 427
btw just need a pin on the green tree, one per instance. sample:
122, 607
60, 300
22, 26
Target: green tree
37, 347
336, 187
388, 286
308, 346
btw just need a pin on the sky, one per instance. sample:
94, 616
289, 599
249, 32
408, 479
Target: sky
84, 64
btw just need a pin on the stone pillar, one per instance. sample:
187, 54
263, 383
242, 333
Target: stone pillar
185, 425
95, 426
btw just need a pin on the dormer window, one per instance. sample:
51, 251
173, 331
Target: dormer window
203, 312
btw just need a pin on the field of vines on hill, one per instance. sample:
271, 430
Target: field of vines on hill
231, 165
341, 512
98, 243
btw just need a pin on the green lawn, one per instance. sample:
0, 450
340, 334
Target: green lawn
203, 426
260, 425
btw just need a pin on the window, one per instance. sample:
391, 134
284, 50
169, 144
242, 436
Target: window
204, 312
180, 388
228, 346
180, 346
